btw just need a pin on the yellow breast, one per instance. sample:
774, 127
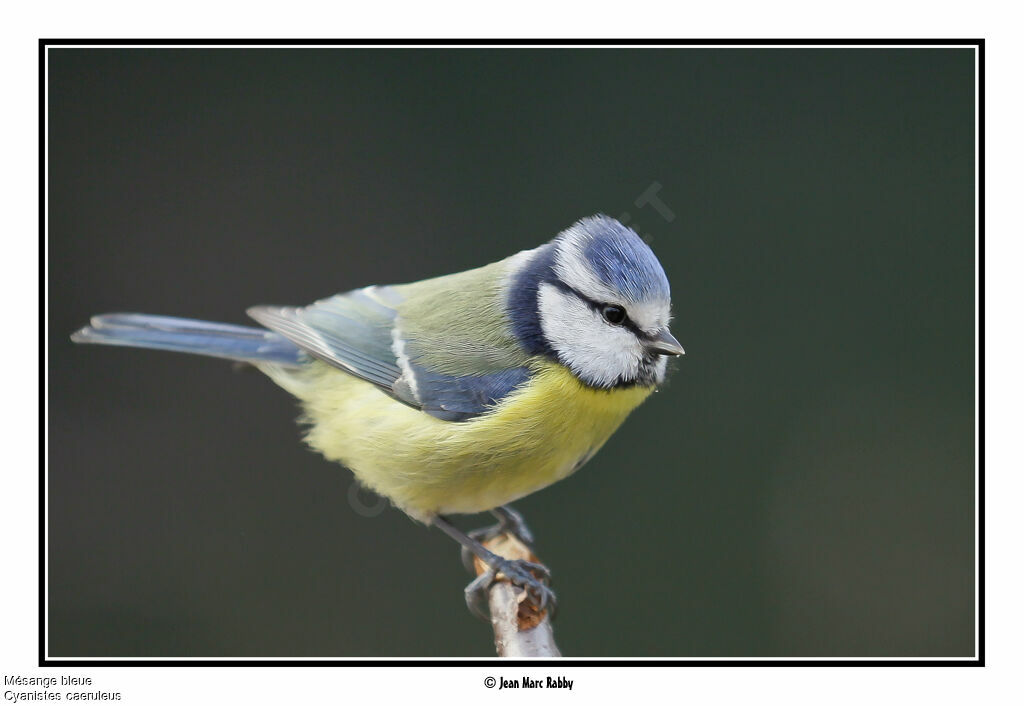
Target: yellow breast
539, 434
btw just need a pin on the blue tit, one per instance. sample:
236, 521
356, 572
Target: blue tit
461, 393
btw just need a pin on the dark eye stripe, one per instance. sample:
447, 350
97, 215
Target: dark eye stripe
599, 307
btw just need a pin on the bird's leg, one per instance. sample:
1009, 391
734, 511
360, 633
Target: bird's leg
529, 575
510, 521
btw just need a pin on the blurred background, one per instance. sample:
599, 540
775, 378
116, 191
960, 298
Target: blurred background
802, 486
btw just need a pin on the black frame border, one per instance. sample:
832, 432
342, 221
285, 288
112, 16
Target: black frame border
978, 661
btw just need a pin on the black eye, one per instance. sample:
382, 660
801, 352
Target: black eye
613, 314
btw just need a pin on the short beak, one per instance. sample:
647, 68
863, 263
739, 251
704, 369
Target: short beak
664, 343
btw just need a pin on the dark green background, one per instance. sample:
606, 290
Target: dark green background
803, 485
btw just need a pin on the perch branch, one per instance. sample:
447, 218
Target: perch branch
520, 629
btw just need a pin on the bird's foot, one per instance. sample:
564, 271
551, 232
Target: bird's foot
532, 577
509, 522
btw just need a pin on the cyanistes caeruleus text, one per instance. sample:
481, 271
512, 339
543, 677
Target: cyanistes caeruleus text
462, 393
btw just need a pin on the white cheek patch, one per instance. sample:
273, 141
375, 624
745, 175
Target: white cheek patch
598, 353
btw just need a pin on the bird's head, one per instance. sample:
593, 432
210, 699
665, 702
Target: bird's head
596, 299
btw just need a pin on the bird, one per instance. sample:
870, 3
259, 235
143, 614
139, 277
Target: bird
462, 393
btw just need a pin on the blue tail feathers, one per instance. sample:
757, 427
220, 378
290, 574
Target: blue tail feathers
242, 343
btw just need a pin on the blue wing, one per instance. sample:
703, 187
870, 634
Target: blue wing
458, 398
359, 333
350, 331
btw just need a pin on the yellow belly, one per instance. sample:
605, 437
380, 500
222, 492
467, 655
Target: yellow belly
538, 435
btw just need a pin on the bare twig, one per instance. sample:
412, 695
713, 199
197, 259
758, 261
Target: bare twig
520, 629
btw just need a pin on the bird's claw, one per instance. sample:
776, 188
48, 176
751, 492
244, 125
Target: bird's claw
528, 575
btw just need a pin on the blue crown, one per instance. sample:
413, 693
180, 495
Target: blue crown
622, 260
